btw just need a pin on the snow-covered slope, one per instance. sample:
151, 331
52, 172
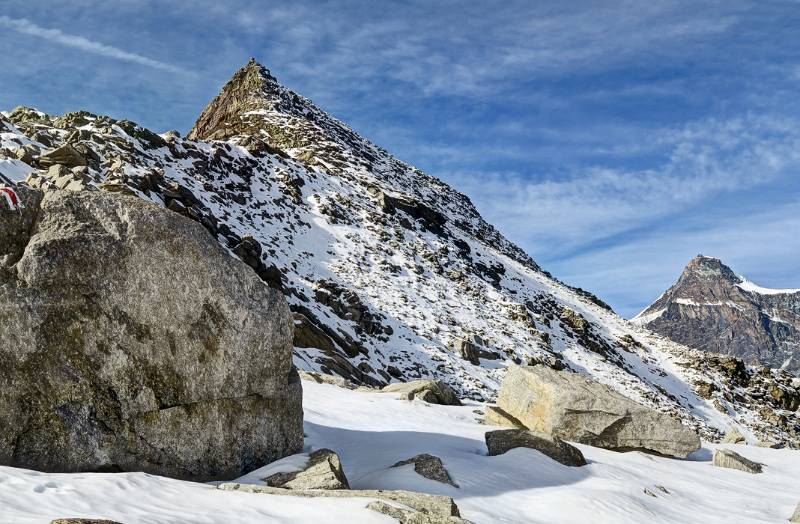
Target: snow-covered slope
385, 267
372, 431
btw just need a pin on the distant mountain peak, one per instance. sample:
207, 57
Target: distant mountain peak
704, 267
712, 308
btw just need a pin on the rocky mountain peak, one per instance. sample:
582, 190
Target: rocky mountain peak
252, 87
712, 308
704, 267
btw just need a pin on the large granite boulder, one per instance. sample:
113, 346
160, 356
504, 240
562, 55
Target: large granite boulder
796, 516
574, 408
133, 341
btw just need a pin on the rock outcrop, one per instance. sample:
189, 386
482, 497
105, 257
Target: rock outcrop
431, 391
500, 441
132, 341
423, 508
725, 458
572, 407
430, 467
322, 471
796, 516
713, 309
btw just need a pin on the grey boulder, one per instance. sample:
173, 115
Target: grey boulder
431, 391
132, 341
430, 467
502, 440
796, 516
725, 458
574, 408
322, 471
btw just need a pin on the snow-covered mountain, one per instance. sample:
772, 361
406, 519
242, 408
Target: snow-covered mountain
713, 309
391, 274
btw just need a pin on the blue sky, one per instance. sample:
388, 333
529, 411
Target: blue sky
612, 140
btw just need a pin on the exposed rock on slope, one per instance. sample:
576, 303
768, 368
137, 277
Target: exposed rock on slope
713, 309
132, 341
385, 267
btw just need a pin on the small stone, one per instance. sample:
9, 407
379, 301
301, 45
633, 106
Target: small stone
733, 436
502, 440
322, 471
725, 458
83, 521
431, 391
430, 467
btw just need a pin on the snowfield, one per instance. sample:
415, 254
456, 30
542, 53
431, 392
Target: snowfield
372, 431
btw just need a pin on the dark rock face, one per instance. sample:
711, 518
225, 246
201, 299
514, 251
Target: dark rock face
430, 467
713, 309
503, 440
132, 341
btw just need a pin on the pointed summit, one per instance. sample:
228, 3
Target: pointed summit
249, 89
702, 267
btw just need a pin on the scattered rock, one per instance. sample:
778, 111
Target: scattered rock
502, 440
471, 349
572, 407
431, 391
497, 417
322, 378
430, 467
66, 155
725, 458
733, 436
83, 521
435, 508
154, 349
323, 471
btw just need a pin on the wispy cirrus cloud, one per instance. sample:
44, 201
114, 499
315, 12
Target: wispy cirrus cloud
26, 27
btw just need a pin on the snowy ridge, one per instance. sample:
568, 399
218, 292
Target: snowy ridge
391, 265
754, 288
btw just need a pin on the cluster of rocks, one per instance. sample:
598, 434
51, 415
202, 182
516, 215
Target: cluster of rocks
322, 475
774, 394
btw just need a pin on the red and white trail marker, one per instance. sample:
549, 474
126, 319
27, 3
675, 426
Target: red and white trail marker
11, 197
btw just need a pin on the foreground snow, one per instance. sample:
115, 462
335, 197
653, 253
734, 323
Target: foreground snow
372, 431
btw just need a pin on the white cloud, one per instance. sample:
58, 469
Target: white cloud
705, 159
24, 26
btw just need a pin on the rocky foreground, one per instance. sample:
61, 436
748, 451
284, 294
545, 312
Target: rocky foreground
373, 431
